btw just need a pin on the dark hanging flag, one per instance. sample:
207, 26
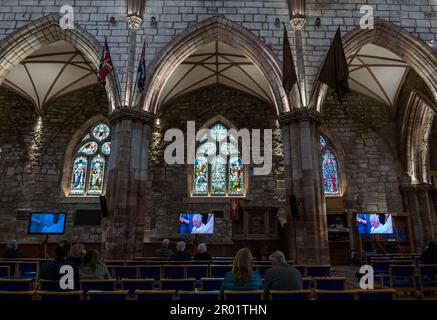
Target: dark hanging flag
335, 71
106, 65
234, 211
142, 70
289, 77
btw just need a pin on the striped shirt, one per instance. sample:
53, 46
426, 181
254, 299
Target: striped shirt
254, 284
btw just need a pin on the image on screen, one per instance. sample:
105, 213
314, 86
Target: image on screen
196, 223
374, 223
47, 223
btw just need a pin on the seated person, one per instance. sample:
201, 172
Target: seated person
92, 267
281, 276
242, 277
12, 251
164, 251
51, 269
180, 254
77, 253
202, 253
429, 256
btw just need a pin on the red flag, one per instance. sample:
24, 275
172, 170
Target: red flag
235, 209
105, 65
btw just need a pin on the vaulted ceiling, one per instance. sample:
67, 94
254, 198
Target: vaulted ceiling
377, 73
217, 63
51, 72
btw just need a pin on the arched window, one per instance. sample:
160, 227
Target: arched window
89, 162
218, 169
331, 177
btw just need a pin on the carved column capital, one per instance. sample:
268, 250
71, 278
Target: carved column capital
131, 114
300, 115
298, 23
134, 22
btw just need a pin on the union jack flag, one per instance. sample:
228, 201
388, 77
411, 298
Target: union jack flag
142, 70
106, 65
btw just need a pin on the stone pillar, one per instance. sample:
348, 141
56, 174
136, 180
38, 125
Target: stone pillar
127, 183
308, 234
418, 201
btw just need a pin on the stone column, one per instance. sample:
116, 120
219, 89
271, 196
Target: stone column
308, 234
418, 201
127, 183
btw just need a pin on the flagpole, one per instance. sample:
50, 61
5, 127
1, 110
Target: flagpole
117, 84
134, 90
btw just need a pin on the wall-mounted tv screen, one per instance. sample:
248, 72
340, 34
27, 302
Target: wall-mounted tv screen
47, 223
374, 223
196, 223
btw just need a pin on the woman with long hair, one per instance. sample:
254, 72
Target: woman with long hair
92, 267
242, 277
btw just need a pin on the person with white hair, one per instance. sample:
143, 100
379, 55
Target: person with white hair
200, 227
164, 251
12, 250
378, 227
180, 254
281, 276
202, 252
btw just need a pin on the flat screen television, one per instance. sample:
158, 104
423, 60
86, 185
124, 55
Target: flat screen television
374, 223
196, 223
47, 223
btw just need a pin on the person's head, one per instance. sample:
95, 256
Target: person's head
12, 245
165, 243
374, 220
62, 249
201, 248
77, 250
277, 257
180, 246
242, 267
197, 220
91, 259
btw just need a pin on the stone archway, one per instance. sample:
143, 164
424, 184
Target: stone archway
46, 30
203, 33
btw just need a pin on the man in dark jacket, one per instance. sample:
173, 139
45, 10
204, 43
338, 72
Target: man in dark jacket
282, 276
180, 254
51, 270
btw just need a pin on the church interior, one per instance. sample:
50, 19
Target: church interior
92, 111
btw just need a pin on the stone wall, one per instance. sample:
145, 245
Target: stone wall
32, 160
169, 183
367, 133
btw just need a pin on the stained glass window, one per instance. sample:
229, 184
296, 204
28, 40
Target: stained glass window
223, 174
331, 180
89, 164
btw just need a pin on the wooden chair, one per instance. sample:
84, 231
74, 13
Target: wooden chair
4, 271
97, 284
199, 295
155, 294
335, 294
318, 271
211, 284
173, 272
219, 271
151, 272
124, 272
137, 284
290, 294
16, 284
49, 285
330, 283
254, 295
107, 295
375, 294
402, 278
60, 296
427, 279
16, 295
197, 271
178, 284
